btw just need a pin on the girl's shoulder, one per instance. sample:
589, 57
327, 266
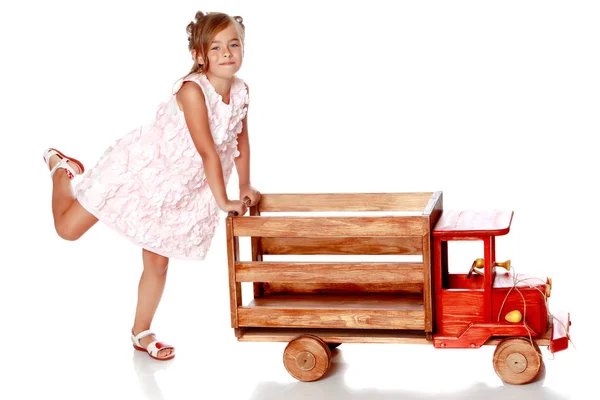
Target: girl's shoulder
239, 89
199, 79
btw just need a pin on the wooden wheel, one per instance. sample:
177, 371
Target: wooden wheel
517, 360
307, 358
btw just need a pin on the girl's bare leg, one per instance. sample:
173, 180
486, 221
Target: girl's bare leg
150, 290
71, 220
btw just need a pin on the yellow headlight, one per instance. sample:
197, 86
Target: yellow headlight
514, 316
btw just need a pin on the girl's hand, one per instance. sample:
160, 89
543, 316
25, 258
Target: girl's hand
251, 193
234, 206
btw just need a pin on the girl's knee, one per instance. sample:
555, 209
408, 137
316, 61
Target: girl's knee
67, 231
155, 263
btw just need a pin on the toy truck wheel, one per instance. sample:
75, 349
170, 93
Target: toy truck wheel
307, 358
517, 361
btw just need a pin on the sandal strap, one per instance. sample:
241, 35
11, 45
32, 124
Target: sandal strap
136, 338
64, 164
156, 346
48, 154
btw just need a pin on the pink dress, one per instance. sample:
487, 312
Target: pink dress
151, 185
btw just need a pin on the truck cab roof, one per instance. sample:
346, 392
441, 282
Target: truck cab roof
473, 224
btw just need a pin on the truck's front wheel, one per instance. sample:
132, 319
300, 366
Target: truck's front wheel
517, 361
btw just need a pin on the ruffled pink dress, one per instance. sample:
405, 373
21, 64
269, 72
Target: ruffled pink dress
151, 185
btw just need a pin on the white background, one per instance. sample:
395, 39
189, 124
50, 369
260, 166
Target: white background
494, 103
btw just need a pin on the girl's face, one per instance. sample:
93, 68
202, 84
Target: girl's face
225, 53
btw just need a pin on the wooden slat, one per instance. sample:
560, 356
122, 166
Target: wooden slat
235, 288
342, 246
365, 312
320, 272
435, 204
331, 202
433, 211
427, 285
456, 223
355, 336
336, 335
328, 226
257, 254
355, 288
341, 302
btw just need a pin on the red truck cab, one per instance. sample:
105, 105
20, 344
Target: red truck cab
489, 301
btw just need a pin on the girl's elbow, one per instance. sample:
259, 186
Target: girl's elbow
208, 154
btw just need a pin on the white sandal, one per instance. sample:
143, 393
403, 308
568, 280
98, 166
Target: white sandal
153, 348
63, 163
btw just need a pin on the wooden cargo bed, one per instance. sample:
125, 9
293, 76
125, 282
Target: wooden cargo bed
347, 296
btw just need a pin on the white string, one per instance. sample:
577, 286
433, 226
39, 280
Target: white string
529, 331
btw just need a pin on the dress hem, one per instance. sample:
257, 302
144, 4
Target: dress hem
157, 251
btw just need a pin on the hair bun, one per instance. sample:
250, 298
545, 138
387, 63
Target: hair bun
199, 15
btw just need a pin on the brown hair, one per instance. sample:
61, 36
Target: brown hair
201, 33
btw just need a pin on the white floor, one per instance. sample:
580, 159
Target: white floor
66, 321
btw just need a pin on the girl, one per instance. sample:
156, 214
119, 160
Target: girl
163, 185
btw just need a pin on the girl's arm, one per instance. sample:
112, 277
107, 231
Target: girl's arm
242, 164
190, 99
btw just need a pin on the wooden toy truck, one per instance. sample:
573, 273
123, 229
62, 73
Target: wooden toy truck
315, 306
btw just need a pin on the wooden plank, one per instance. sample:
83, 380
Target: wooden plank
342, 246
473, 223
336, 335
433, 210
366, 319
257, 254
235, 288
439, 260
365, 312
488, 249
322, 272
461, 309
340, 302
560, 331
391, 336
331, 202
239, 332
434, 205
355, 288
427, 286
328, 226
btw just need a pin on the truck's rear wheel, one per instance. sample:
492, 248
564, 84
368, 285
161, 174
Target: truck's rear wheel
307, 358
517, 361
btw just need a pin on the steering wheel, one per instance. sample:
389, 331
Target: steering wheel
478, 263
472, 270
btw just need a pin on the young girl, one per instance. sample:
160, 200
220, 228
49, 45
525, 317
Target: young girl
163, 185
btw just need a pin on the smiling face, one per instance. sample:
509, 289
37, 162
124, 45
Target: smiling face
225, 54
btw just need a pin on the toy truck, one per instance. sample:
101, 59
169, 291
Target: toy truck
316, 306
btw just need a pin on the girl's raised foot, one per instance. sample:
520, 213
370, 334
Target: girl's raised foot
55, 160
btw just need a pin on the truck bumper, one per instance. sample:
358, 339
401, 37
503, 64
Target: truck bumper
560, 332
